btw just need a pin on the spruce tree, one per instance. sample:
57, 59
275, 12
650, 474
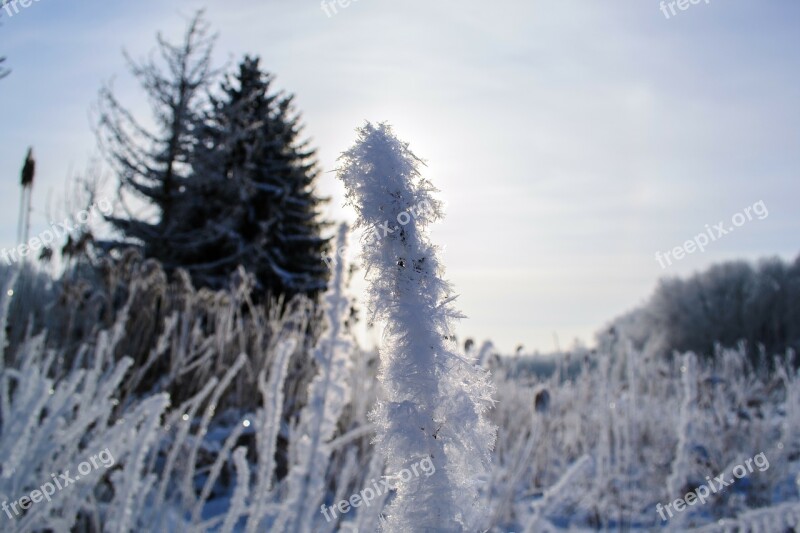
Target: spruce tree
231, 181
255, 178
153, 165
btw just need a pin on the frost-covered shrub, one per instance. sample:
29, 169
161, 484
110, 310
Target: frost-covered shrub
197, 460
51, 425
177, 336
630, 432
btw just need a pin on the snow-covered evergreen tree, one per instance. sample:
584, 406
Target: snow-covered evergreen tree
435, 400
153, 165
249, 199
229, 176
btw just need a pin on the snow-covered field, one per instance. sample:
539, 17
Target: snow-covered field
597, 444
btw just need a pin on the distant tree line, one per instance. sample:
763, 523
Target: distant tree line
725, 305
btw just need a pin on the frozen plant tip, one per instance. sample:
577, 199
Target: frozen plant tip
435, 400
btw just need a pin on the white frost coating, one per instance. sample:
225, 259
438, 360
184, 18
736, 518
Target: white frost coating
559, 491
683, 465
435, 400
238, 501
268, 428
328, 395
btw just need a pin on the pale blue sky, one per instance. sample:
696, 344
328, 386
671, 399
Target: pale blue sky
571, 139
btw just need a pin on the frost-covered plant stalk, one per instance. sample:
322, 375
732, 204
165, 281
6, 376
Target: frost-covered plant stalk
435, 400
328, 395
